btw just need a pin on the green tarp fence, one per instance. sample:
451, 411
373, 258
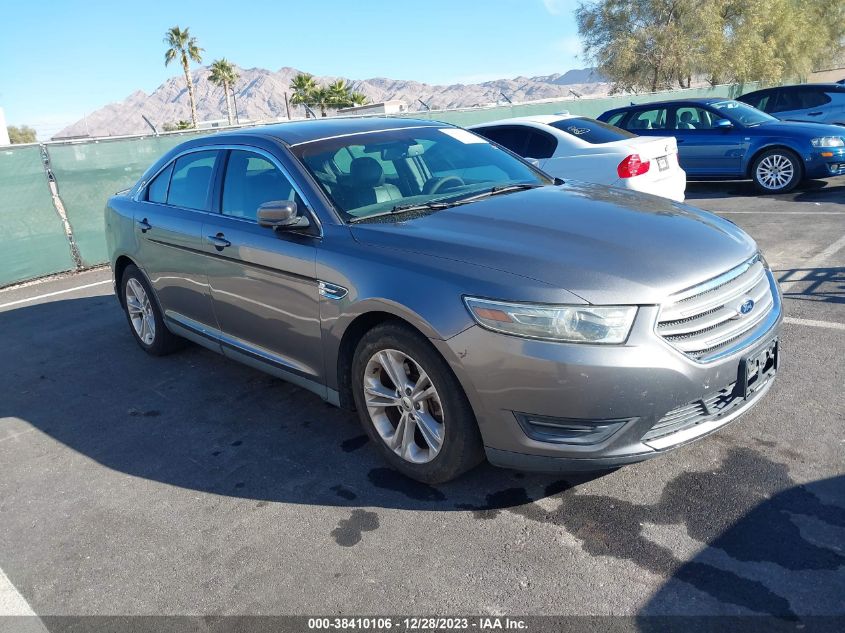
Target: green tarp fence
33, 242
88, 174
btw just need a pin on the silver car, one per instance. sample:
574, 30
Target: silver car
817, 103
464, 303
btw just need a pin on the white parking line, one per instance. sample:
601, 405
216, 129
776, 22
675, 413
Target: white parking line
830, 325
830, 251
53, 294
12, 602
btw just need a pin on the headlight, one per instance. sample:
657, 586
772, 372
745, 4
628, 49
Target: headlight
827, 141
572, 324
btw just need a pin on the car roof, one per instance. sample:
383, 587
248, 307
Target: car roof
828, 85
296, 132
536, 118
668, 102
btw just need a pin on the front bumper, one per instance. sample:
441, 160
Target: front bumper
825, 162
641, 384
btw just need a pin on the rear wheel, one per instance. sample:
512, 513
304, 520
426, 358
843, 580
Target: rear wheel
412, 406
777, 171
144, 316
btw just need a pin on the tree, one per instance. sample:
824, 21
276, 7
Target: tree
179, 125
184, 47
224, 74
660, 44
359, 98
22, 134
304, 88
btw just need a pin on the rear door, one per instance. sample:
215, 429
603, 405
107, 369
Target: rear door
263, 282
705, 149
168, 227
801, 103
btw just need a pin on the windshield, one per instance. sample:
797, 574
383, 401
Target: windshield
373, 173
742, 113
592, 131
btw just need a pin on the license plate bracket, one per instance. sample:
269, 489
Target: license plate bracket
755, 369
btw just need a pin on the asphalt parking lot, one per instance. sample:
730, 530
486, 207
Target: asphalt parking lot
193, 485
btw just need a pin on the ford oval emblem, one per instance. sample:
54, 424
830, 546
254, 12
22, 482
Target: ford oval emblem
746, 307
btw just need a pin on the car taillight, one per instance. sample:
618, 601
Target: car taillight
632, 166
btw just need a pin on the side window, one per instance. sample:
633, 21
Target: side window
784, 101
512, 137
191, 181
758, 100
250, 181
540, 145
648, 120
813, 98
616, 118
694, 118
157, 189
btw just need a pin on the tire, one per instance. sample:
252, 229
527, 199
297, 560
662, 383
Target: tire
144, 315
777, 171
443, 417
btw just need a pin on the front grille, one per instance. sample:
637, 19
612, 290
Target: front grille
705, 319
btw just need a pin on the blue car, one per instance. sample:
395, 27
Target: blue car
727, 139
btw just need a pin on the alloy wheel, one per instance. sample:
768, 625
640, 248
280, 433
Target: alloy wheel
404, 406
775, 171
140, 311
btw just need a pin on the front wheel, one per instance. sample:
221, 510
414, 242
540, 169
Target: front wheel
412, 406
777, 171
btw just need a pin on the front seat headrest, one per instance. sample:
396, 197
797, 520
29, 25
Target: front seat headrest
366, 172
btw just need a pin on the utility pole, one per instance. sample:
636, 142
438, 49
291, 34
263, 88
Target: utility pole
235, 100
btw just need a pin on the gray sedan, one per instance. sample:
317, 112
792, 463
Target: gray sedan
464, 303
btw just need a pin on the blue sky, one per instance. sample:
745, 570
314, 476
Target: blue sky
61, 59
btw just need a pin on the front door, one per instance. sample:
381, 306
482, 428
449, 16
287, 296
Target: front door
704, 149
263, 282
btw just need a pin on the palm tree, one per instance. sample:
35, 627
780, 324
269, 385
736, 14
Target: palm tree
183, 46
304, 88
340, 93
323, 98
358, 98
223, 74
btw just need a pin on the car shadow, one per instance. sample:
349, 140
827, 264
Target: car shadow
826, 285
200, 421
779, 557
821, 191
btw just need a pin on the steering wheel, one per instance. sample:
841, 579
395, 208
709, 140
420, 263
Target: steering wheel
436, 184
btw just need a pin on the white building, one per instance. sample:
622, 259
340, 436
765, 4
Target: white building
385, 107
4, 133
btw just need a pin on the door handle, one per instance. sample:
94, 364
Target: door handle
219, 241
144, 225
679, 140
815, 113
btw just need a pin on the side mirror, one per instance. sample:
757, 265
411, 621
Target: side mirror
281, 214
724, 124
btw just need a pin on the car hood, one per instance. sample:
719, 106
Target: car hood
603, 244
799, 128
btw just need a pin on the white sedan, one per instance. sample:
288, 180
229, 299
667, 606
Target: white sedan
581, 148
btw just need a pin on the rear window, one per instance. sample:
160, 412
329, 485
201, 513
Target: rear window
592, 131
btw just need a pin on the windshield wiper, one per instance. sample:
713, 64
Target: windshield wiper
497, 190
405, 208
436, 205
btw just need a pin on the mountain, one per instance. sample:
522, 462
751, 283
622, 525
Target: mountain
260, 95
